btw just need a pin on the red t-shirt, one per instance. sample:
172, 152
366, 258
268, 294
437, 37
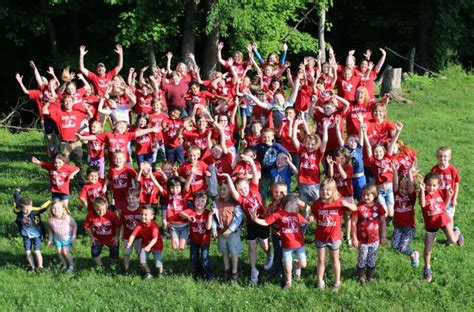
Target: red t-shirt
91, 192
379, 133
156, 120
369, 83
328, 220
291, 235
308, 172
344, 186
68, 123
59, 178
148, 190
197, 229
117, 142
434, 211
175, 93
96, 148
404, 210
121, 181
104, 228
129, 219
228, 133
143, 102
319, 118
144, 144
285, 139
243, 170
347, 88
198, 182
252, 141
382, 169
171, 127
176, 204
368, 222
41, 97
148, 232
197, 138
447, 178
223, 165
101, 83
352, 123
406, 159
253, 201
303, 99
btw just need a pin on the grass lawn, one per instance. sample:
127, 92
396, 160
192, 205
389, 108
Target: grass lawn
442, 114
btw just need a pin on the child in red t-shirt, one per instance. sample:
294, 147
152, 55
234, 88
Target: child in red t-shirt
433, 207
368, 230
151, 241
103, 228
92, 189
195, 168
60, 175
404, 213
149, 185
143, 143
328, 211
97, 149
119, 179
129, 218
291, 235
172, 129
200, 222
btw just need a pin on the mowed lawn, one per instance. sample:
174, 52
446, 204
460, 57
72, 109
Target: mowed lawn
442, 114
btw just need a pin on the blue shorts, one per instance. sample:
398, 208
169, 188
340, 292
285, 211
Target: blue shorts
96, 250
450, 210
34, 242
358, 184
287, 255
148, 157
386, 197
331, 245
59, 196
63, 243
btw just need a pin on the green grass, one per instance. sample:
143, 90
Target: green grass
442, 114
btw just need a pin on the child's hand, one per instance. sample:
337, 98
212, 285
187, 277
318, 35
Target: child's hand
93, 240
326, 123
246, 158
363, 127
35, 160
118, 49
50, 244
214, 234
192, 219
147, 248
330, 160
115, 241
169, 55
310, 219
82, 50
367, 54
129, 245
360, 118
355, 243
144, 69
220, 46
226, 233
450, 192
395, 165
383, 241
399, 126
423, 186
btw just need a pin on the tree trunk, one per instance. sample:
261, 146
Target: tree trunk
425, 18
151, 55
392, 84
411, 61
50, 30
209, 60
189, 39
74, 22
322, 42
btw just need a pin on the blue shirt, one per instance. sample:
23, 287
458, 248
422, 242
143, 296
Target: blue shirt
267, 154
357, 158
283, 174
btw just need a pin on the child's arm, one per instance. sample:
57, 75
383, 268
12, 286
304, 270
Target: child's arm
379, 65
421, 197
36, 161
291, 165
50, 237
237, 218
131, 238
19, 79
233, 190
251, 162
225, 149
189, 180
393, 141
130, 80
345, 103
234, 112
37, 74
324, 140
383, 230
73, 225
155, 182
91, 236
253, 215
185, 216
455, 194
338, 132
294, 136
84, 81
294, 92
169, 56
102, 109
82, 53
220, 45
395, 180
209, 220
330, 167
141, 78
355, 241
349, 205
412, 173
119, 51
368, 147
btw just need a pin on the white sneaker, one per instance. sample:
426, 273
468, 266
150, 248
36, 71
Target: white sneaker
268, 265
70, 269
296, 269
254, 276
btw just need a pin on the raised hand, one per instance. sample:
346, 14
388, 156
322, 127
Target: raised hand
144, 69
118, 49
35, 160
19, 78
169, 55
220, 45
82, 50
285, 47
32, 65
50, 70
330, 160
399, 126
367, 54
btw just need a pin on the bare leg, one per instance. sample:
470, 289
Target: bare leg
39, 258
321, 265
336, 266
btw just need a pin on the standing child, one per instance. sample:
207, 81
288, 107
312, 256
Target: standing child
368, 231
404, 214
129, 218
29, 224
433, 207
97, 149
143, 143
227, 220
151, 241
62, 234
171, 135
291, 235
328, 211
103, 228
60, 175
200, 222
284, 170
92, 189
148, 184
449, 178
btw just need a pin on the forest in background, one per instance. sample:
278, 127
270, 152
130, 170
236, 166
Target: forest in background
50, 31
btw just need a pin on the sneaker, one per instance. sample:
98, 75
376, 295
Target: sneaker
287, 286
336, 288
296, 269
70, 270
268, 265
147, 275
227, 275
427, 275
460, 241
254, 276
30, 269
126, 272
234, 277
321, 285
40, 269
415, 260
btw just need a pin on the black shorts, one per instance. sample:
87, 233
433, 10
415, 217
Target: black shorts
96, 250
256, 231
432, 230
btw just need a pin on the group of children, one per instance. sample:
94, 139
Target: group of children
204, 169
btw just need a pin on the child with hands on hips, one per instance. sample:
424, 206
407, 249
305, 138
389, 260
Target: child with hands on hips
291, 235
433, 204
129, 218
62, 233
151, 242
328, 211
368, 231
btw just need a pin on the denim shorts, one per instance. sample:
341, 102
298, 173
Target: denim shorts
288, 254
148, 157
96, 250
331, 245
62, 243
308, 192
156, 254
230, 245
59, 196
34, 242
136, 245
386, 197
178, 232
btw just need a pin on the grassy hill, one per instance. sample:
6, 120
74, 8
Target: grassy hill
442, 114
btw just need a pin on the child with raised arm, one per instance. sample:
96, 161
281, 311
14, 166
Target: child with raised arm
149, 185
28, 220
368, 231
246, 193
92, 189
291, 235
328, 211
433, 207
197, 168
60, 175
103, 228
129, 218
62, 234
284, 170
310, 156
119, 179
404, 214
200, 222
172, 129
151, 242
449, 178
227, 220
